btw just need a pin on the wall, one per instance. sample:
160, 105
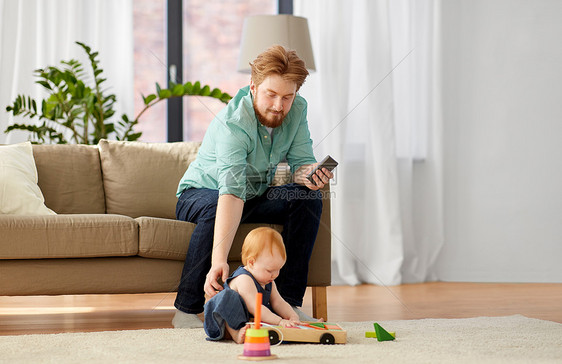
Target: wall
502, 97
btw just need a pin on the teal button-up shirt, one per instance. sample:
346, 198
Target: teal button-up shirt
237, 155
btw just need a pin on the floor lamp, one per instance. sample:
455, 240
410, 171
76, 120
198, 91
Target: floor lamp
262, 31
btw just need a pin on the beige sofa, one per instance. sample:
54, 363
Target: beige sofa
115, 230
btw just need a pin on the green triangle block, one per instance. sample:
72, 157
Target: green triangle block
317, 324
382, 334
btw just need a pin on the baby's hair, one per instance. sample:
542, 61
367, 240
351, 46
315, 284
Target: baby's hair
260, 239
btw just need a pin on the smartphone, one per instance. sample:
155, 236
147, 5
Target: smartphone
329, 163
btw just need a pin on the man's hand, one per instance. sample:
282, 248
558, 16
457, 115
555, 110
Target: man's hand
321, 177
212, 286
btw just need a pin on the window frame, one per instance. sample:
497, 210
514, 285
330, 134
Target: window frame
174, 63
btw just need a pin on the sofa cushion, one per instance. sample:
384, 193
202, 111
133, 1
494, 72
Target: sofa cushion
67, 236
70, 178
141, 179
169, 239
19, 192
163, 238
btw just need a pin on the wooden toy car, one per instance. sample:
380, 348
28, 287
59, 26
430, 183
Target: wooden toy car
311, 332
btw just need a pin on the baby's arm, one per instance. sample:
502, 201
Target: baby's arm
244, 285
283, 308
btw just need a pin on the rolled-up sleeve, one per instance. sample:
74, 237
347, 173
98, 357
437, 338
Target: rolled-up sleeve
231, 153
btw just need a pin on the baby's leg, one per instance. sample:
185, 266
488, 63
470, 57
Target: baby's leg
237, 335
225, 310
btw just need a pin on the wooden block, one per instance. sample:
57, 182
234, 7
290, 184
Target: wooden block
319, 325
332, 327
382, 334
373, 334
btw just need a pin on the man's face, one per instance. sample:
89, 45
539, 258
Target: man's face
273, 99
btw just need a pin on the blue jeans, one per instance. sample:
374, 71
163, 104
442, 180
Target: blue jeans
294, 206
226, 307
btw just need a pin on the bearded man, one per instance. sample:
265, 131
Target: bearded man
229, 183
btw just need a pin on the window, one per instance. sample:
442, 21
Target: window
149, 32
211, 40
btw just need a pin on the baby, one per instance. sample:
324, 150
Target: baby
263, 255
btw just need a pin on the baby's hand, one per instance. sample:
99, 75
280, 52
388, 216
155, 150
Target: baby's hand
289, 323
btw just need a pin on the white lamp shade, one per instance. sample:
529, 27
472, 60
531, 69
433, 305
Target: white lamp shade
263, 31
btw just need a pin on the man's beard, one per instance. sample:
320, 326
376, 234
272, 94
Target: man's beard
273, 121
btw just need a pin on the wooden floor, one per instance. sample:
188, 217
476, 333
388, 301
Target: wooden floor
55, 314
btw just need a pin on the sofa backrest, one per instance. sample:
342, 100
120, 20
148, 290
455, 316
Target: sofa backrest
70, 178
141, 179
117, 177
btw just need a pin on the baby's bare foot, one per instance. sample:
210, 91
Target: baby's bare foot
240, 335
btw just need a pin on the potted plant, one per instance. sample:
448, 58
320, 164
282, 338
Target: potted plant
83, 109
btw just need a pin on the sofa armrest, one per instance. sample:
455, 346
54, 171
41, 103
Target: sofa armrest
320, 267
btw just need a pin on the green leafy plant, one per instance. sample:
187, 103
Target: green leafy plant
180, 90
78, 105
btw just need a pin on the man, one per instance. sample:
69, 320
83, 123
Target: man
228, 183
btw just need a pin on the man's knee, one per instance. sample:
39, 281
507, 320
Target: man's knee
209, 211
310, 198
196, 207
316, 199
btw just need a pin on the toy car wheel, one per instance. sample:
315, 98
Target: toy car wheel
327, 339
273, 337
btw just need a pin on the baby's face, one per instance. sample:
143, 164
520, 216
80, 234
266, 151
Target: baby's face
266, 267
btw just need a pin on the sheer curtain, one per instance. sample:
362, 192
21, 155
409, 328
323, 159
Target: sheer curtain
373, 106
38, 33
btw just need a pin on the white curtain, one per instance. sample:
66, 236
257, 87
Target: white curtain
374, 107
39, 33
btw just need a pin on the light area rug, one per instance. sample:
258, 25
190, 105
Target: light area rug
509, 339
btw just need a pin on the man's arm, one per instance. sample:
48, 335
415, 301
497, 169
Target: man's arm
229, 213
